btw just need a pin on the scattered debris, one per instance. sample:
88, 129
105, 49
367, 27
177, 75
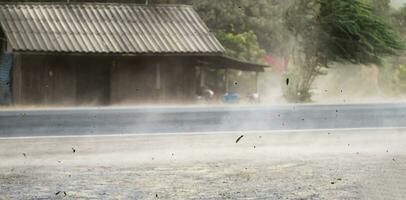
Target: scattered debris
73, 150
239, 138
59, 192
332, 182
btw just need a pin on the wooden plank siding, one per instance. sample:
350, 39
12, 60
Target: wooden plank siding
133, 81
47, 80
16, 77
102, 80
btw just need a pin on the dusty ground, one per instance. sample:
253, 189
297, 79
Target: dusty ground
335, 165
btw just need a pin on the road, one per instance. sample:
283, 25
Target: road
122, 158
343, 165
96, 121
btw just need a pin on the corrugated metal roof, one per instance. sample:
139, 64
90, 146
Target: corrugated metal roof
106, 28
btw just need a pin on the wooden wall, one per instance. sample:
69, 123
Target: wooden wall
93, 85
102, 80
44, 80
133, 81
180, 81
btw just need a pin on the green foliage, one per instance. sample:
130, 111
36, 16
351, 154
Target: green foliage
351, 32
380, 8
398, 19
343, 30
400, 79
393, 72
401, 73
259, 22
329, 31
264, 18
243, 46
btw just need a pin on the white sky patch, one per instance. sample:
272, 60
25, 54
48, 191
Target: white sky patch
398, 2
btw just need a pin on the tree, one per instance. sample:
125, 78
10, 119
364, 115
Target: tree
334, 31
398, 20
396, 65
243, 46
261, 20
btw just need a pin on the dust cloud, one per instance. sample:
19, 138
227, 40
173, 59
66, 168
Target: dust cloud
344, 84
136, 149
294, 165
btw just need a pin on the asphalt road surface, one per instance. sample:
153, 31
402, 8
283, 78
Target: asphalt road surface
307, 162
124, 120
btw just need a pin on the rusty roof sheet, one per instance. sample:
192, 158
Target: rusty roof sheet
106, 28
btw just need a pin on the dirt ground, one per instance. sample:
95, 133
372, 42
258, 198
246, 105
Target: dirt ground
308, 165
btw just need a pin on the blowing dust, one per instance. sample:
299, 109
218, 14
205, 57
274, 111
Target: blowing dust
317, 165
344, 83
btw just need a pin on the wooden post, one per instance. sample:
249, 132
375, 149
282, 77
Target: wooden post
158, 84
113, 88
158, 77
257, 82
202, 77
226, 81
216, 84
16, 82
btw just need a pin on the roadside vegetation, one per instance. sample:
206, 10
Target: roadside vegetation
327, 32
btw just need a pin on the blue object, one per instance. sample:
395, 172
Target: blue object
230, 98
6, 63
